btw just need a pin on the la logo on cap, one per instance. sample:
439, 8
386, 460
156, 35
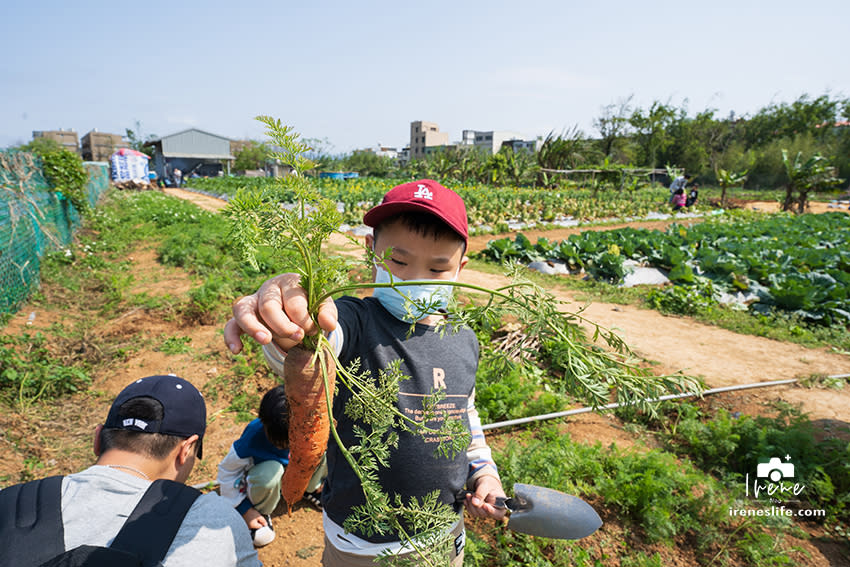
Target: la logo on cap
422, 192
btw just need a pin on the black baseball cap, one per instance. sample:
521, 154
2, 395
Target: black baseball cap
184, 409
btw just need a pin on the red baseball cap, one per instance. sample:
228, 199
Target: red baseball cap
424, 195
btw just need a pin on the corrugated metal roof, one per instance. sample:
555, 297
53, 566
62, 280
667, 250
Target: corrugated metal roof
194, 143
198, 156
151, 142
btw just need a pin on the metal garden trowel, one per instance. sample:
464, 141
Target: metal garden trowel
544, 512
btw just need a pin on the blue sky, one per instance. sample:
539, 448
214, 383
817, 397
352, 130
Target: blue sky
357, 73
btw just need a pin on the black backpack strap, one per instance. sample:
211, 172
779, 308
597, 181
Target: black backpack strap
31, 530
151, 527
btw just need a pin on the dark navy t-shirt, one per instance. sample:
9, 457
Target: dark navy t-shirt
432, 360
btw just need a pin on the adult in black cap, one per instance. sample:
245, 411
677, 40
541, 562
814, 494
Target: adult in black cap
154, 430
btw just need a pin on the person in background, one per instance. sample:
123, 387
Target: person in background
154, 430
178, 177
250, 474
693, 195
679, 183
679, 199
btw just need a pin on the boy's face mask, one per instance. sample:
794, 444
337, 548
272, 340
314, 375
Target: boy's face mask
410, 303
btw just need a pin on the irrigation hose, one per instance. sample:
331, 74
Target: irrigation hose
542, 417
567, 413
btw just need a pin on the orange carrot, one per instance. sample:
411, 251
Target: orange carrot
309, 426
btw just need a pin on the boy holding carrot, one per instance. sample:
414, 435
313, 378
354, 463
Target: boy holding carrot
423, 225
250, 473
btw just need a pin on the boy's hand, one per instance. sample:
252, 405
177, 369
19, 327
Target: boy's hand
254, 519
277, 311
480, 503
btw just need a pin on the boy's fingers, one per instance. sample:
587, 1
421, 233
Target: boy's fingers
297, 316
277, 300
245, 321
328, 315
232, 334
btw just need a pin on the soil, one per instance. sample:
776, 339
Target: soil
673, 344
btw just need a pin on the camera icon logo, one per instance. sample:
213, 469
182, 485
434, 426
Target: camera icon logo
775, 469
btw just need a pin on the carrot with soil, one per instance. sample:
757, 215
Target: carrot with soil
305, 374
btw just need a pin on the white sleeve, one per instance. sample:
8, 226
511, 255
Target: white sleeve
275, 356
478, 455
231, 473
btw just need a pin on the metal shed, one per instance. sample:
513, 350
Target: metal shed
191, 151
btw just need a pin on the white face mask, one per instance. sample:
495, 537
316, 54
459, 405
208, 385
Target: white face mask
410, 303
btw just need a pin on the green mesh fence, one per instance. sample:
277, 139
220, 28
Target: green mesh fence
33, 219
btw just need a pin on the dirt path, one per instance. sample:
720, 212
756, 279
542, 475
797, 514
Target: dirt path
813, 207
207, 203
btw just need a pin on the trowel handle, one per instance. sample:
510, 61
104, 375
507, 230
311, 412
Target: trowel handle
501, 501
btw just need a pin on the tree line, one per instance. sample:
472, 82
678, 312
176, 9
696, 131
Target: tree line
625, 136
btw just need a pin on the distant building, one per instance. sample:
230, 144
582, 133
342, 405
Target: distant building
425, 135
99, 146
381, 151
385, 151
274, 167
404, 156
490, 141
191, 151
66, 138
524, 145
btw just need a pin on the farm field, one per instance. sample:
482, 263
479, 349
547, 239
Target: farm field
143, 325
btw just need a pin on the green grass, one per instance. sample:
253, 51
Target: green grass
506, 391
176, 345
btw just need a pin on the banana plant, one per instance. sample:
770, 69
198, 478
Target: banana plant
806, 176
728, 179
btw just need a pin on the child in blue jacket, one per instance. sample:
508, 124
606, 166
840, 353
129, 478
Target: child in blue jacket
250, 474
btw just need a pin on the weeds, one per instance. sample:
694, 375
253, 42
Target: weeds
176, 345
730, 446
505, 390
29, 371
823, 381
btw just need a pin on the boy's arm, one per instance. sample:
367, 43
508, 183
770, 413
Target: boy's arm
277, 311
231, 471
478, 455
483, 477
